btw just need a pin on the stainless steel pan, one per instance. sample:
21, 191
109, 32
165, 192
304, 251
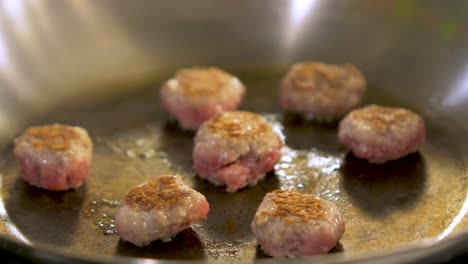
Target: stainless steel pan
99, 65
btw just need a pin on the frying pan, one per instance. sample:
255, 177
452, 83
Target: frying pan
99, 64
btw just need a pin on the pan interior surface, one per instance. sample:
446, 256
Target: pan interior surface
421, 196
99, 65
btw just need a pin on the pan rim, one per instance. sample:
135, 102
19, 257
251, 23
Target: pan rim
431, 250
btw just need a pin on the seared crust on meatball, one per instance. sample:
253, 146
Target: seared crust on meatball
379, 134
293, 224
159, 209
54, 157
236, 149
322, 92
197, 94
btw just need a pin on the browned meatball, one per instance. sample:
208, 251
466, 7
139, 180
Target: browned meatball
236, 149
54, 157
293, 224
197, 94
322, 92
379, 134
159, 209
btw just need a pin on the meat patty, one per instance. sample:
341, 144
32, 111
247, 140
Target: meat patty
379, 134
54, 157
197, 94
159, 209
322, 92
293, 224
236, 149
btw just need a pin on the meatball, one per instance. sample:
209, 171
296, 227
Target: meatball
322, 92
197, 94
54, 157
380, 134
236, 149
159, 209
293, 224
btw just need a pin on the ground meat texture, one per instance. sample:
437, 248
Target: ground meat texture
197, 94
379, 134
159, 209
322, 92
236, 149
292, 224
54, 157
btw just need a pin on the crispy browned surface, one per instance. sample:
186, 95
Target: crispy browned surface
379, 118
199, 81
55, 137
238, 124
304, 75
293, 207
162, 193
